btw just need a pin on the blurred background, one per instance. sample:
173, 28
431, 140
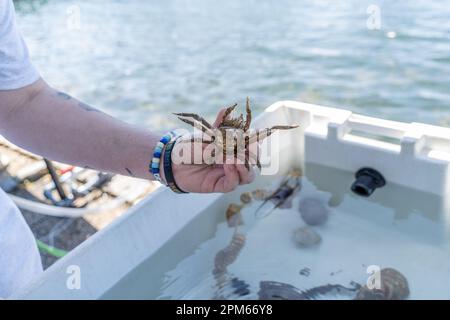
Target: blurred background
142, 60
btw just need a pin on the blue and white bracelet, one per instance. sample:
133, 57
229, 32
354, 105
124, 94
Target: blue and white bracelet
154, 164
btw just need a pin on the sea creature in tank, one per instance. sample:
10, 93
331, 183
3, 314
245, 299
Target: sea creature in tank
313, 211
234, 130
233, 215
283, 195
222, 260
260, 194
306, 237
230, 287
330, 291
229, 254
393, 286
272, 290
246, 197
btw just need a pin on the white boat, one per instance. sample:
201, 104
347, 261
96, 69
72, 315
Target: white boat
168, 236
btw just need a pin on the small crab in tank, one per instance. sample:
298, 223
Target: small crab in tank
232, 136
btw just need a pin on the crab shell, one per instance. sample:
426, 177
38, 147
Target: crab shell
230, 139
306, 237
246, 197
394, 286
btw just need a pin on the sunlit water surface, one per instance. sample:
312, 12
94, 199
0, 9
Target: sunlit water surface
140, 60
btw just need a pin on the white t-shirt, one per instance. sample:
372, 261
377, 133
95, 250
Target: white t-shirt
16, 70
19, 258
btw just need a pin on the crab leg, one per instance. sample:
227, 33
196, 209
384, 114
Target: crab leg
228, 112
248, 118
256, 137
195, 117
202, 140
260, 135
241, 121
197, 122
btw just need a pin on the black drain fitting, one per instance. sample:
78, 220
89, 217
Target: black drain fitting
367, 180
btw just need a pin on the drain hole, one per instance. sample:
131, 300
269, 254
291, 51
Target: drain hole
367, 180
360, 191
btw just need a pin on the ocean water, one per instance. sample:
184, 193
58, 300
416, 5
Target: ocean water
141, 60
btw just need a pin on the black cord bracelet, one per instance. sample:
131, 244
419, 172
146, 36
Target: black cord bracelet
168, 168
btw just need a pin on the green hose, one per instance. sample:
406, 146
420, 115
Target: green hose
58, 253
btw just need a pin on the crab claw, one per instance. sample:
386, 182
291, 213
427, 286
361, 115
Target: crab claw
229, 110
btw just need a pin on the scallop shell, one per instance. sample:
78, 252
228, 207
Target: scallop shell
233, 214
306, 237
260, 194
272, 290
246, 197
313, 211
394, 286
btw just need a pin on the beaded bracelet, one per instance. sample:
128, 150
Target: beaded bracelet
154, 164
167, 164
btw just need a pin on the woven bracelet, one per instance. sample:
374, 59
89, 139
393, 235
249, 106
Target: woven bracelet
168, 168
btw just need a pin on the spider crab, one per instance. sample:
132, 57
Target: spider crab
233, 135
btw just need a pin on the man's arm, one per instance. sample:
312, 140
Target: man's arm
52, 124
55, 125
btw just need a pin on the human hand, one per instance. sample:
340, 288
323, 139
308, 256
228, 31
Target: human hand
204, 178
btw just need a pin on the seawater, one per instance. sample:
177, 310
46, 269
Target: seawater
398, 227
142, 60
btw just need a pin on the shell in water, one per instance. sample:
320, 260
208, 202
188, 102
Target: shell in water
229, 254
313, 211
394, 286
306, 237
246, 197
272, 290
233, 214
260, 194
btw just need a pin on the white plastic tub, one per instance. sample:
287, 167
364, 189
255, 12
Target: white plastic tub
143, 250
